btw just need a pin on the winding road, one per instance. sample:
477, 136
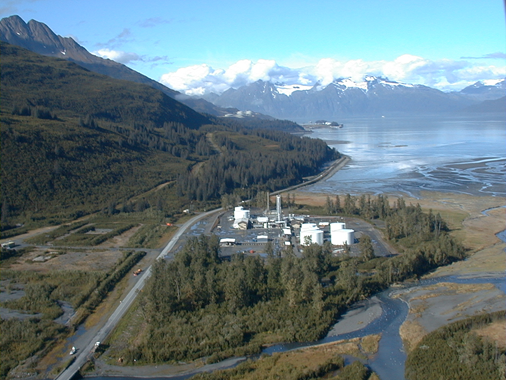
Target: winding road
87, 347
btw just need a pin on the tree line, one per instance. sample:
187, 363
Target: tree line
256, 170
84, 290
200, 305
455, 351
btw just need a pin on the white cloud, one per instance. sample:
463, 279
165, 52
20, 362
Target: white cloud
444, 74
118, 55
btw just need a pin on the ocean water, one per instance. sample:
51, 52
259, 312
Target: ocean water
406, 155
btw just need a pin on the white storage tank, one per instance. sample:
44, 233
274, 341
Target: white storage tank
308, 226
337, 226
342, 236
241, 213
312, 232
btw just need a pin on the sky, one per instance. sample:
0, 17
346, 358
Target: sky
197, 46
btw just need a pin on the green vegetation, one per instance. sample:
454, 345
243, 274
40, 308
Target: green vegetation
56, 233
269, 124
75, 142
111, 139
82, 238
255, 161
148, 236
79, 288
200, 306
21, 339
11, 253
105, 286
455, 351
43, 291
274, 367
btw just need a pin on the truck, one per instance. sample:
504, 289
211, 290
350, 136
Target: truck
8, 245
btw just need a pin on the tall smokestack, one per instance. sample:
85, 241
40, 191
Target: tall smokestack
278, 207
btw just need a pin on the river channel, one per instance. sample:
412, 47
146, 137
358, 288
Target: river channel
389, 361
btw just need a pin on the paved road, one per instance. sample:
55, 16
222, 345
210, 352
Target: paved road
330, 171
83, 354
381, 247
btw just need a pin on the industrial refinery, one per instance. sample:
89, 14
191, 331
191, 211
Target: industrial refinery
248, 230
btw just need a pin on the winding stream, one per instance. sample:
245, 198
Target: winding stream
403, 156
389, 361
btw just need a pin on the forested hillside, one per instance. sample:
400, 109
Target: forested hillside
75, 142
260, 160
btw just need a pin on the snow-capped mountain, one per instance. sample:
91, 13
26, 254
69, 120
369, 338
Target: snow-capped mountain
486, 90
342, 98
300, 102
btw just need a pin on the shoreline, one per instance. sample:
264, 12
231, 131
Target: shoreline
330, 171
366, 311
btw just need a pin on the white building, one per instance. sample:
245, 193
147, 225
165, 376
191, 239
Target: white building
309, 232
241, 213
337, 226
342, 236
241, 218
227, 241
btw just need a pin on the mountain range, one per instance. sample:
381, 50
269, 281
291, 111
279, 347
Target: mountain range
39, 38
75, 142
343, 98
373, 96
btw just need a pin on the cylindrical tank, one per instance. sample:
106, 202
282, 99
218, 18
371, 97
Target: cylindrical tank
337, 226
312, 232
308, 226
342, 236
314, 236
241, 213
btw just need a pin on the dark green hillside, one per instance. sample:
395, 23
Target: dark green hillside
62, 87
74, 142
256, 160
62, 169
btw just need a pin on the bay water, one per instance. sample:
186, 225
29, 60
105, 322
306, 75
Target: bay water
459, 154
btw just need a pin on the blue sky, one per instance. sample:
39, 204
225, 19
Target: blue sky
197, 46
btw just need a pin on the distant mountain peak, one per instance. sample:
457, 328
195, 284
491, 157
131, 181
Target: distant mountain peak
486, 90
344, 97
39, 38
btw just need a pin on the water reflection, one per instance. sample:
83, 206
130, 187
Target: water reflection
405, 156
